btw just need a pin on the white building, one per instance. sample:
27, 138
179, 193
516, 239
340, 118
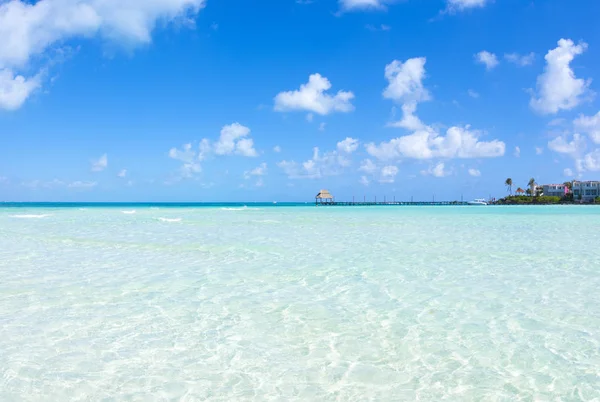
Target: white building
588, 190
557, 190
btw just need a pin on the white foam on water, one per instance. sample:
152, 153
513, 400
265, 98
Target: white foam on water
169, 219
128, 212
30, 216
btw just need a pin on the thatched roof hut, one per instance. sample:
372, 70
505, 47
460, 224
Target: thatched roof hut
324, 196
520, 191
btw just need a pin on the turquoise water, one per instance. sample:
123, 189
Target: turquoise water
299, 303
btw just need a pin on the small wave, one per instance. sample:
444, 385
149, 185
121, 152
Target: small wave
83, 209
235, 209
128, 212
267, 221
169, 219
154, 208
30, 216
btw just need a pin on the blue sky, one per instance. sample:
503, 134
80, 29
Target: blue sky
192, 100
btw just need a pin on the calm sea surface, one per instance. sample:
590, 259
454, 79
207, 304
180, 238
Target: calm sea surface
225, 303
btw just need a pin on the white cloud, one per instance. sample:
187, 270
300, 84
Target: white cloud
322, 164
517, 152
474, 172
564, 146
488, 59
473, 94
322, 126
122, 173
589, 125
353, 5
462, 5
15, 89
409, 120
557, 87
539, 150
405, 81
405, 85
348, 145
190, 159
459, 142
438, 170
568, 172
82, 184
277, 149
260, 170
388, 174
364, 180
368, 166
520, 60
29, 29
100, 164
232, 140
309, 117
312, 97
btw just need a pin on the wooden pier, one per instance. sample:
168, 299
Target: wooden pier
388, 203
324, 198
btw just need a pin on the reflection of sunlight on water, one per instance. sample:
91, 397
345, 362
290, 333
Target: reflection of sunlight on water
30, 216
340, 304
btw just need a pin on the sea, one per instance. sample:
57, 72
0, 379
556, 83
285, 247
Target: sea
293, 302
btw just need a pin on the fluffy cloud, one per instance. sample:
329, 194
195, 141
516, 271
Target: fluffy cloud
352, 5
368, 166
364, 180
14, 90
100, 164
474, 172
322, 126
564, 146
568, 172
488, 59
520, 60
122, 173
589, 125
557, 87
277, 149
539, 150
232, 141
28, 29
388, 174
405, 81
348, 145
461, 5
439, 170
409, 120
322, 164
405, 85
459, 142
260, 170
312, 97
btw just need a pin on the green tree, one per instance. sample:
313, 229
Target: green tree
531, 185
509, 184
569, 185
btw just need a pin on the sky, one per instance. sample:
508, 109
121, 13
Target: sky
212, 100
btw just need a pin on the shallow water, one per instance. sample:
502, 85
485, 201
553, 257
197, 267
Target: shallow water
300, 303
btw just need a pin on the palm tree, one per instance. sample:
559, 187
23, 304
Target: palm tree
532, 186
508, 183
569, 185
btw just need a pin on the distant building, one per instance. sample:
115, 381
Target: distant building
588, 190
557, 190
